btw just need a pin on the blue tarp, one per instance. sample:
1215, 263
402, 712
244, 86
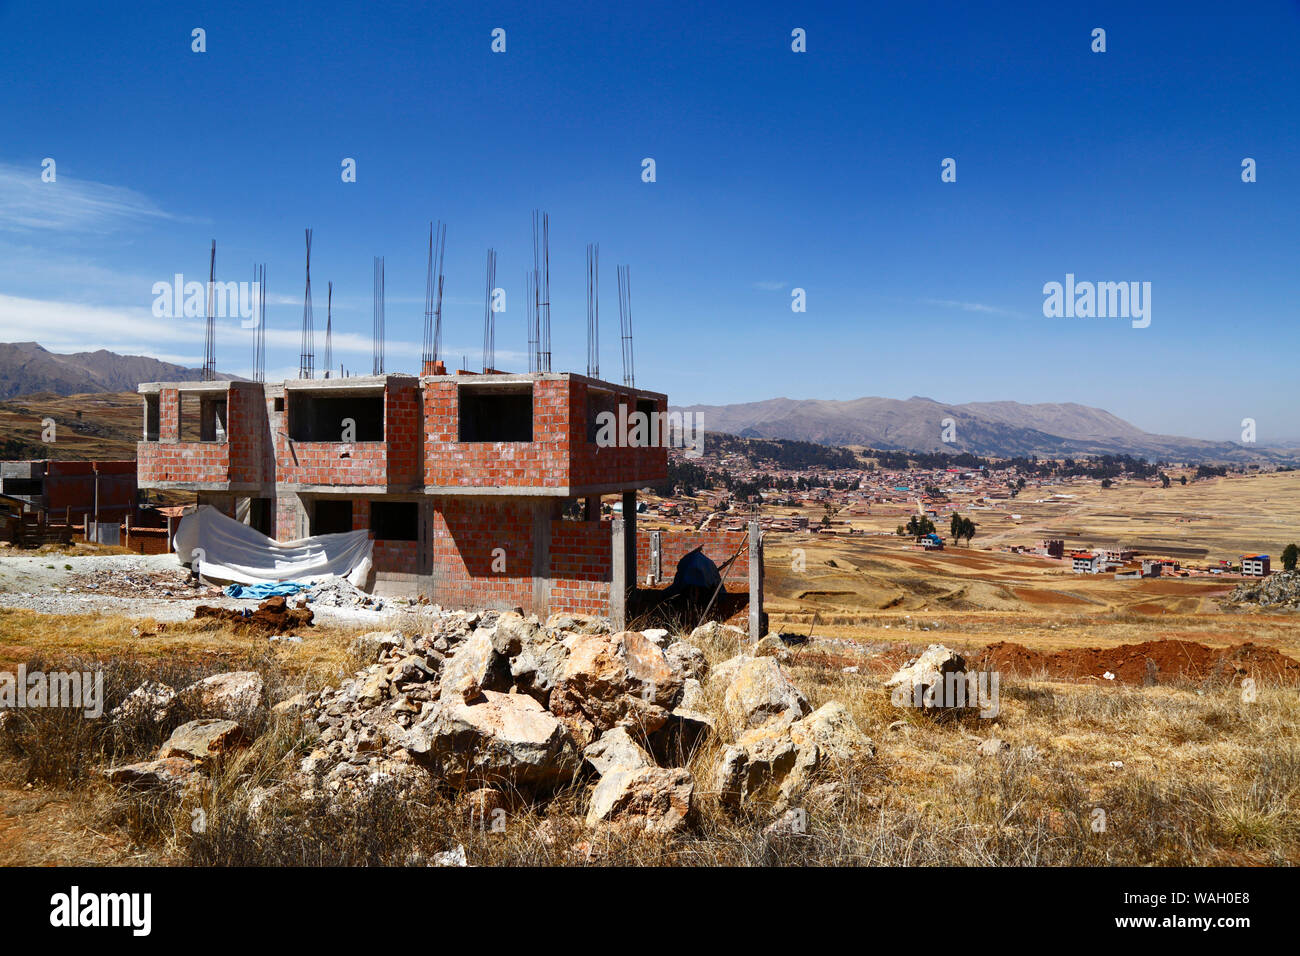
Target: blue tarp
260, 592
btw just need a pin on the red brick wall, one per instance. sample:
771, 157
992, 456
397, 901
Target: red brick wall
543, 462
718, 547
581, 567
404, 432
394, 461
559, 455
238, 459
465, 532
246, 428
594, 465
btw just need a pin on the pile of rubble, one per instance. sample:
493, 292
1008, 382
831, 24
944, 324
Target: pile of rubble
272, 616
504, 708
341, 593
146, 584
1280, 591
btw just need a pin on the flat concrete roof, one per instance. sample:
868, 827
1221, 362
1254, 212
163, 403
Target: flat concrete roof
365, 382
520, 378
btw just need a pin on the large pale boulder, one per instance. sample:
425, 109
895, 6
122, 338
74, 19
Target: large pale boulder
655, 800
766, 766
167, 773
201, 740
760, 692
576, 623
237, 695
753, 769
471, 669
506, 739
714, 632
616, 750
724, 673
688, 659
151, 701
536, 654
612, 679
929, 682
832, 728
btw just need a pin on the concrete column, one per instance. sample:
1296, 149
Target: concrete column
755, 582
543, 512
656, 556
618, 584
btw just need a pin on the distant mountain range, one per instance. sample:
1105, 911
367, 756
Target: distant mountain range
1000, 429
27, 368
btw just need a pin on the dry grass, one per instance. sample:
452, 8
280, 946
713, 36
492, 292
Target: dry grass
1206, 779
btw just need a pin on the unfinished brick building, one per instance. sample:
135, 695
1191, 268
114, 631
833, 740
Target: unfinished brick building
478, 490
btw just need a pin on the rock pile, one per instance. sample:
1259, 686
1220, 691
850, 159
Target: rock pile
339, 592
499, 708
228, 702
1280, 591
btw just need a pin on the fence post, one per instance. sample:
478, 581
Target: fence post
755, 582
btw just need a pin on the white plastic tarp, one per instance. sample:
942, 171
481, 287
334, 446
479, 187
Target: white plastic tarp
229, 550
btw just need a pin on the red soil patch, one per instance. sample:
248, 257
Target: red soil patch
273, 616
1153, 662
1030, 596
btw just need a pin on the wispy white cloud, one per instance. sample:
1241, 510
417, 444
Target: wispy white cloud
770, 285
969, 306
69, 204
78, 327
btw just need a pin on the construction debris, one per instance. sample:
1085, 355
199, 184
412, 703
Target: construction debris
273, 616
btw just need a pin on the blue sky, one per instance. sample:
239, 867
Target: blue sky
775, 170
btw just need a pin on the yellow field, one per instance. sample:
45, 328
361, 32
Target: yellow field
882, 588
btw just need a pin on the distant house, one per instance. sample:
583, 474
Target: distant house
1052, 547
1255, 565
1085, 562
932, 542
1151, 567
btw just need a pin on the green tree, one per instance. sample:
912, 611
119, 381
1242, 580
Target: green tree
955, 527
919, 525
968, 530
1289, 555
